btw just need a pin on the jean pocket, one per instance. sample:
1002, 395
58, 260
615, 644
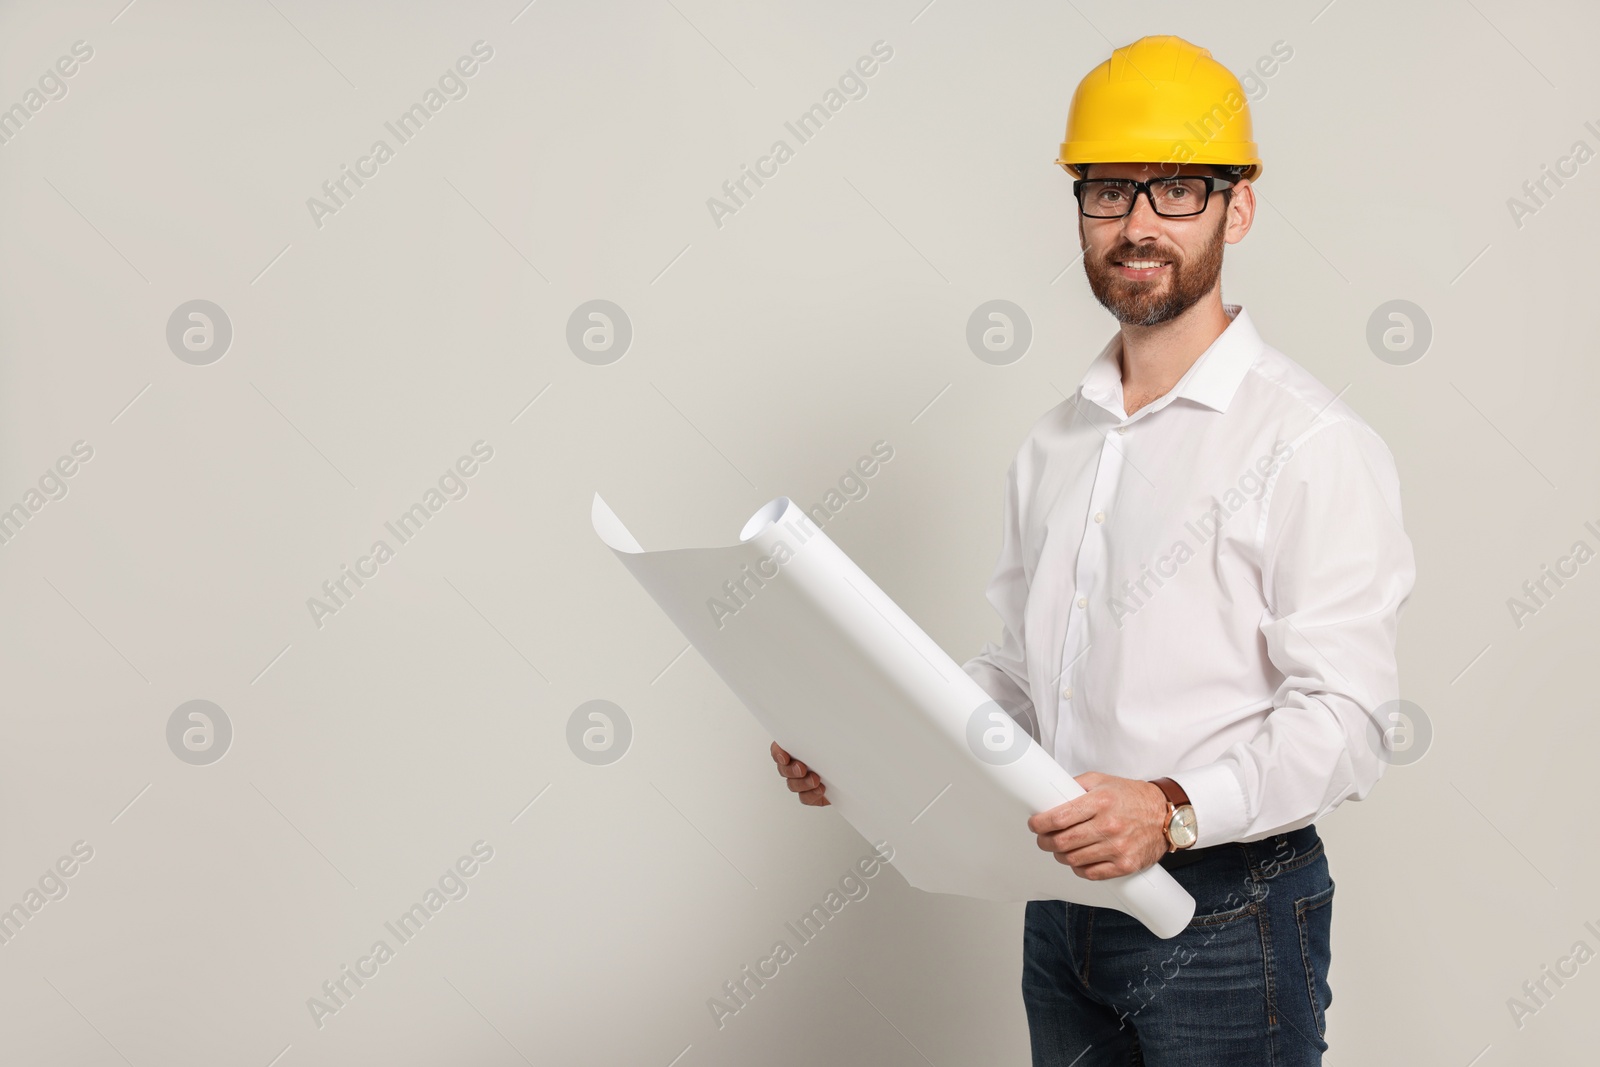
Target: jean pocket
1314, 917
1228, 915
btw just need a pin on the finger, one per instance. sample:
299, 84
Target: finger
794, 769
1057, 818
1089, 855
1062, 816
1097, 872
1100, 860
1082, 835
1061, 843
806, 784
815, 798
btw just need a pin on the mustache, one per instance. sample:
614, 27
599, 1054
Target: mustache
1130, 252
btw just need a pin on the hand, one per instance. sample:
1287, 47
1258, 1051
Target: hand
1117, 827
801, 779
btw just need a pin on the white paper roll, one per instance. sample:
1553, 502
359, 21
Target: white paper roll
907, 742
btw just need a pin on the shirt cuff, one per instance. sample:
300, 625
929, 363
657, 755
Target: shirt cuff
1218, 801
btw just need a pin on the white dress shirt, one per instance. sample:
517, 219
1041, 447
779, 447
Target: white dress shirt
1207, 589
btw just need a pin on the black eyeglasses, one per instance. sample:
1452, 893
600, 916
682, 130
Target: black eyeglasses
1172, 198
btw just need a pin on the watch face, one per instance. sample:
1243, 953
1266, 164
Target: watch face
1182, 827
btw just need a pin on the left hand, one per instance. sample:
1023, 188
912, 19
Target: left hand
1117, 827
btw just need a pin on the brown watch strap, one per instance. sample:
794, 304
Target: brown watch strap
1172, 790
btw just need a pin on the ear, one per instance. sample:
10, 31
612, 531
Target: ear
1241, 211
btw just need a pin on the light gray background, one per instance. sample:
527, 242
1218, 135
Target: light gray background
768, 355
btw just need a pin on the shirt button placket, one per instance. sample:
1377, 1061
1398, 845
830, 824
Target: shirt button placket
1090, 569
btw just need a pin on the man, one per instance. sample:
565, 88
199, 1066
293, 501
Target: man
1201, 575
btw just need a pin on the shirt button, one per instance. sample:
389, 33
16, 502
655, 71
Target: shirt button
1099, 516
1067, 693
1122, 429
1083, 602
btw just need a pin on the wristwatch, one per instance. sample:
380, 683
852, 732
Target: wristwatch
1180, 827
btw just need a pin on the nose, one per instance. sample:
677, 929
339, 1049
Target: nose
1142, 220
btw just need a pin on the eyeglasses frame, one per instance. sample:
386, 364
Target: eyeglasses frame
1213, 184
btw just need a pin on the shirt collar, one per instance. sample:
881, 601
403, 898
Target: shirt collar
1211, 380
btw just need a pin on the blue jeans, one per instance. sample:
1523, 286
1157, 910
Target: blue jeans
1246, 983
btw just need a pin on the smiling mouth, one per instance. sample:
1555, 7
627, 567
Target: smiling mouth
1141, 268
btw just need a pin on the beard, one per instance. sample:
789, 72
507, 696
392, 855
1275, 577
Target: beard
1157, 300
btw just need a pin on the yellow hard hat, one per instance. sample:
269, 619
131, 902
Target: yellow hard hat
1160, 100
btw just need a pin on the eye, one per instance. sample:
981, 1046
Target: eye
1177, 190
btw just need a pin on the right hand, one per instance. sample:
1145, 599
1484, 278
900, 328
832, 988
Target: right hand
801, 778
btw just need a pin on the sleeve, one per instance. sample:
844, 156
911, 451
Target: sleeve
1336, 570
1001, 669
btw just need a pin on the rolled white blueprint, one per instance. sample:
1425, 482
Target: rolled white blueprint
912, 750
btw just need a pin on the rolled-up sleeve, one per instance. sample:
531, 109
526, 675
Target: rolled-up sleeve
1336, 570
1000, 668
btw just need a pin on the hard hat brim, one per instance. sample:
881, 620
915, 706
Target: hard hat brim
1074, 155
